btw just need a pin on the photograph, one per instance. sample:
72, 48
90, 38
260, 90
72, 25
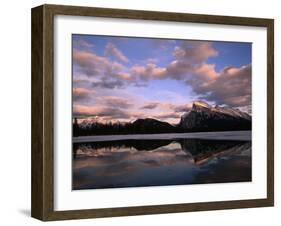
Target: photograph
138, 112
157, 112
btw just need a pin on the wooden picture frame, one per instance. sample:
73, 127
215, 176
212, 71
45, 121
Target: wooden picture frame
43, 108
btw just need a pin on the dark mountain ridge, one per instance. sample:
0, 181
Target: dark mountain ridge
149, 124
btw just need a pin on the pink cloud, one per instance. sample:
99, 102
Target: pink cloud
106, 84
81, 93
168, 106
189, 60
124, 76
166, 115
195, 51
148, 72
112, 50
99, 111
152, 105
207, 71
91, 64
182, 107
232, 87
114, 101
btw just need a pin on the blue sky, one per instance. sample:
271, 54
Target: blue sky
121, 78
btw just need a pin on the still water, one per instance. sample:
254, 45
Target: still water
133, 163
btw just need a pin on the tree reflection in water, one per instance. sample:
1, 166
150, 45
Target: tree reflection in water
133, 163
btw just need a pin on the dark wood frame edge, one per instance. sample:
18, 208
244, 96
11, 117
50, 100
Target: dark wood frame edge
42, 197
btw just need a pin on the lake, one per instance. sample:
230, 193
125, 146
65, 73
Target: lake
161, 160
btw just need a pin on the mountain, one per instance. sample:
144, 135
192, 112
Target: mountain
149, 125
204, 117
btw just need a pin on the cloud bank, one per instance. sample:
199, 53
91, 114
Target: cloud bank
98, 73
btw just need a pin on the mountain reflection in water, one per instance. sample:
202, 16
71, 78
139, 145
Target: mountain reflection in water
133, 163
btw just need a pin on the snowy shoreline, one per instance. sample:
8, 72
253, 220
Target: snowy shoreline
226, 135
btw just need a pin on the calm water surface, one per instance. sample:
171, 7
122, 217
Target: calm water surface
133, 163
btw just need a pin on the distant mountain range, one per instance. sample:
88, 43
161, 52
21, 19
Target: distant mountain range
202, 117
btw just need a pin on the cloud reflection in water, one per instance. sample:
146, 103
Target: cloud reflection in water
133, 163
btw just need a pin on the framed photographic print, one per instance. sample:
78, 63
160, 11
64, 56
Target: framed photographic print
141, 112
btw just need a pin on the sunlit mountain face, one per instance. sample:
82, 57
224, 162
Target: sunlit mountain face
122, 79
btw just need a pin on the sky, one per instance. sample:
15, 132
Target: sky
125, 78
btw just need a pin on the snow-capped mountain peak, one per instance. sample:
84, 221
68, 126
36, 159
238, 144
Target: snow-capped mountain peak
203, 116
203, 106
198, 105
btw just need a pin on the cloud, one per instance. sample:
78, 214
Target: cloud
99, 111
113, 108
119, 102
93, 65
150, 106
148, 72
80, 82
102, 72
189, 63
82, 44
168, 106
106, 113
231, 87
161, 43
112, 50
152, 60
108, 84
189, 60
81, 94
182, 108
179, 69
195, 52
166, 115
123, 76
206, 71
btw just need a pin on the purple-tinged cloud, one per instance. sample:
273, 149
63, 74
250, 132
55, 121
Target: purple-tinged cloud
182, 108
195, 52
82, 45
99, 111
231, 87
168, 106
108, 84
150, 106
80, 94
112, 51
166, 115
117, 102
113, 73
148, 72
91, 64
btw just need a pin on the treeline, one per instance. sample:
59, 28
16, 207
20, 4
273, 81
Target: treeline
109, 128
152, 126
